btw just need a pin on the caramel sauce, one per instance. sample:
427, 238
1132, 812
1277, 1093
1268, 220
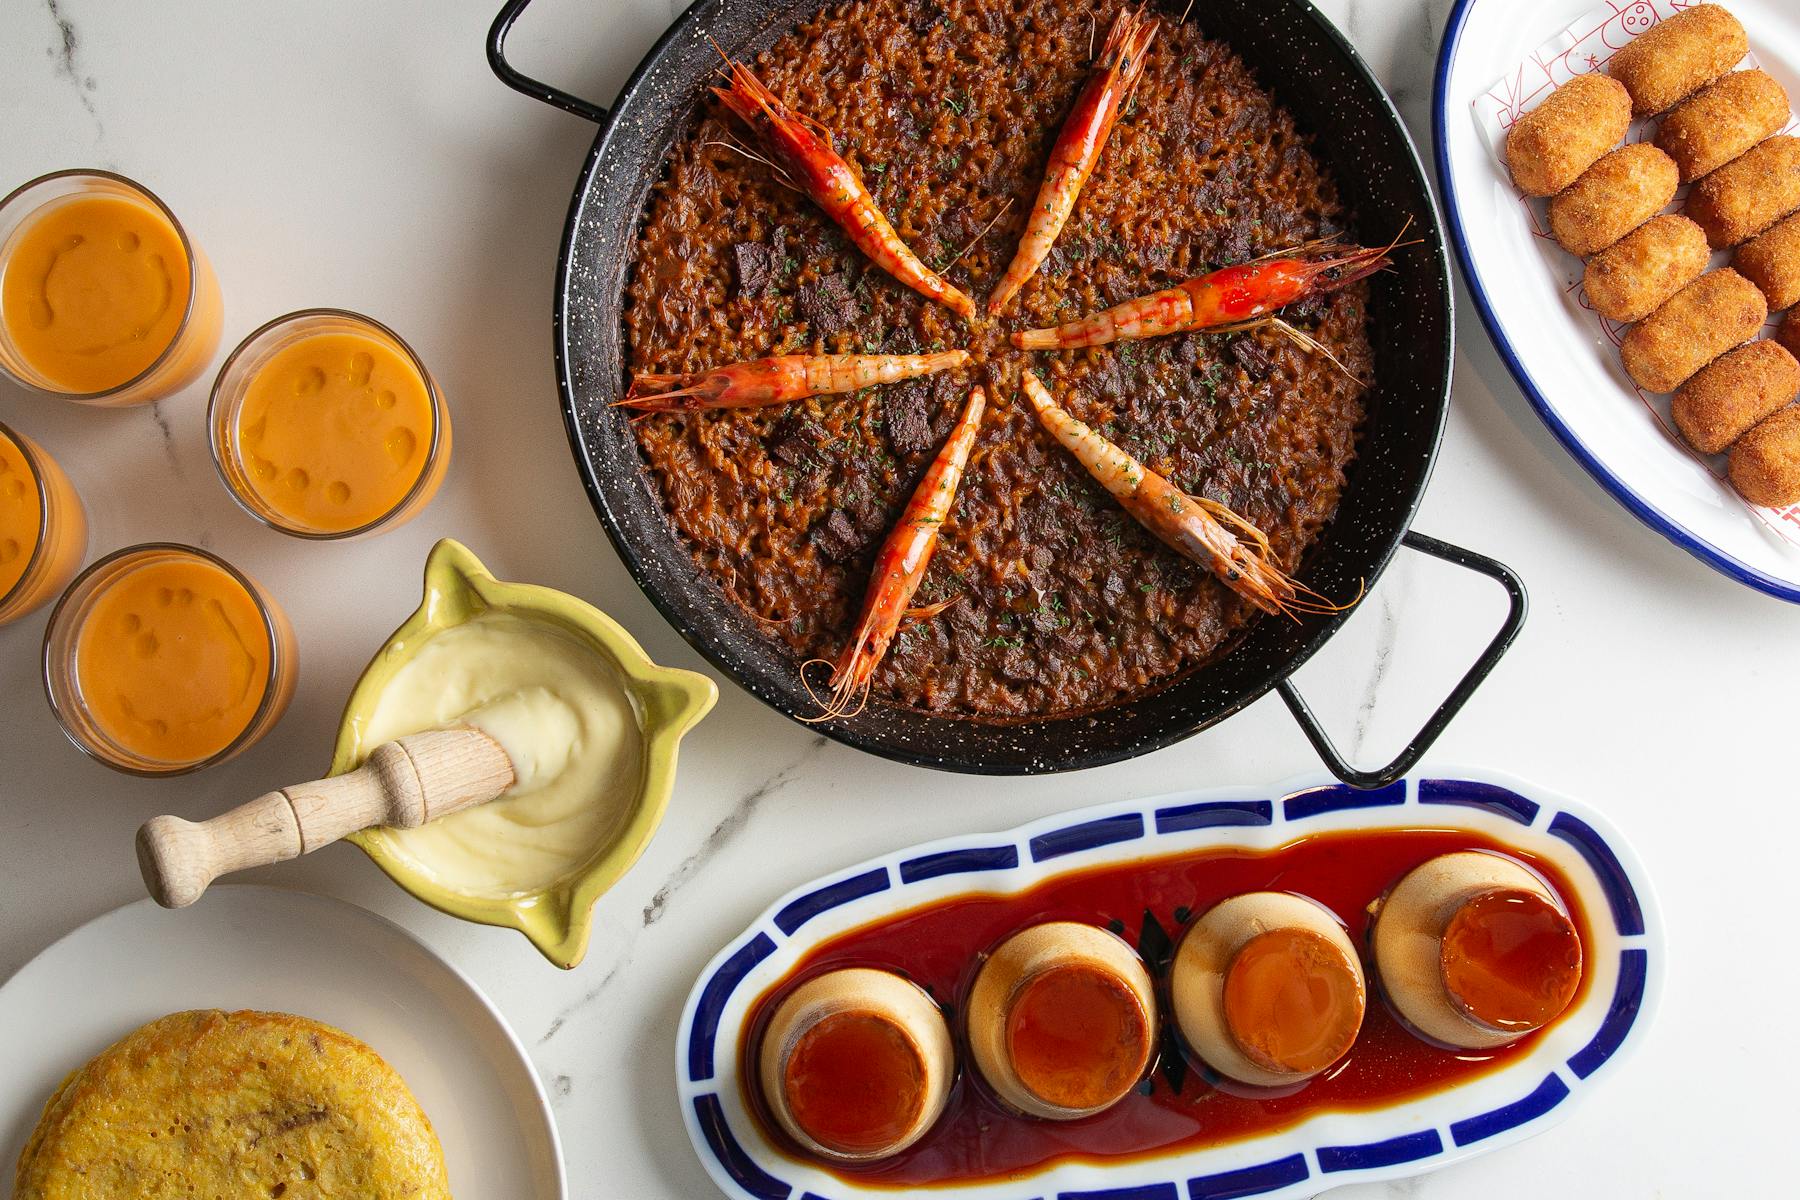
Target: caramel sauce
1178, 1107
1293, 1003
1511, 959
855, 1082
1077, 1036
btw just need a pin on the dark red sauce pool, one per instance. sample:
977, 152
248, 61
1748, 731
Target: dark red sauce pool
1149, 902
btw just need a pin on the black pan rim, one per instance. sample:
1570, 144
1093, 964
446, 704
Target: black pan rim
1043, 727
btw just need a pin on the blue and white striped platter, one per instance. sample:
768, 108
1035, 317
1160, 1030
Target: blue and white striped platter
1506, 1105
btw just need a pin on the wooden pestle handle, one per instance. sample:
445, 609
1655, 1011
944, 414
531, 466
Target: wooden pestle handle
404, 783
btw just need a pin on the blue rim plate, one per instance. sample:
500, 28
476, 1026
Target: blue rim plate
1506, 1105
1566, 373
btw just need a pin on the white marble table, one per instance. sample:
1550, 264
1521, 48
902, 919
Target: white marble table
356, 154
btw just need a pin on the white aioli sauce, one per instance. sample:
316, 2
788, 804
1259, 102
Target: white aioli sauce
559, 710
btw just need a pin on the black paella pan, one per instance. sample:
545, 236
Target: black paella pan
1316, 74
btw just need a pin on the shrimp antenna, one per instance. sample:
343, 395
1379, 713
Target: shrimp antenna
977, 238
1397, 242
1314, 247
1300, 338
785, 180
1305, 600
839, 704
1307, 342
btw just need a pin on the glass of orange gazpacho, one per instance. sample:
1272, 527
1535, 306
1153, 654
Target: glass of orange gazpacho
162, 659
104, 299
43, 527
325, 424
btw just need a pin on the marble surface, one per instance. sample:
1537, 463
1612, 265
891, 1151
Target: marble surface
361, 155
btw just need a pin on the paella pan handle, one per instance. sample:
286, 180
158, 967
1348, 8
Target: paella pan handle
1421, 742
520, 82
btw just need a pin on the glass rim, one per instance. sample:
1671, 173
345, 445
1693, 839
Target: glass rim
218, 452
193, 272
265, 608
29, 454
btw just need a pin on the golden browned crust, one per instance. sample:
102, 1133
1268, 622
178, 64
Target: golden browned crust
1772, 263
1765, 463
1789, 333
1748, 194
1551, 145
1630, 278
1709, 316
1721, 121
1733, 393
238, 1104
1678, 57
1612, 198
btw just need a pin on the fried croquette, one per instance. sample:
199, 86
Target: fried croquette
1630, 278
1772, 262
1709, 316
1613, 197
1749, 193
1555, 142
1789, 332
1764, 464
1734, 392
1679, 56
1721, 121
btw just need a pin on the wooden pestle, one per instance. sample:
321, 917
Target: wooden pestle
404, 783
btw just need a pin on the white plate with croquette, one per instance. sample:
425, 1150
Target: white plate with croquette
1564, 355
278, 951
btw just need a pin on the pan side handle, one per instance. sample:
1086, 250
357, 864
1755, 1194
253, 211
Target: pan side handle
520, 82
1421, 741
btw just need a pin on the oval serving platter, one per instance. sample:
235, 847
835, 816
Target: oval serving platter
1567, 369
1525, 1096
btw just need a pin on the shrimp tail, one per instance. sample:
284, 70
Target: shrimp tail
925, 612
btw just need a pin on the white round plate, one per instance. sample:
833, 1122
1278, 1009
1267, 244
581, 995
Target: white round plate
271, 949
1561, 357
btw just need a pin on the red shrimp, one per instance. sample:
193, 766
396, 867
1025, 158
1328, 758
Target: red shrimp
899, 569
1200, 529
801, 148
781, 379
1078, 146
1229, 296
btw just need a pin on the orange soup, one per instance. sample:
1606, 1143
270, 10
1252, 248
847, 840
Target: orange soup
172, 660
95, 289
21, 515
334, 430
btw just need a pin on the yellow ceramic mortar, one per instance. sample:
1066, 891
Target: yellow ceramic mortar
667, 702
